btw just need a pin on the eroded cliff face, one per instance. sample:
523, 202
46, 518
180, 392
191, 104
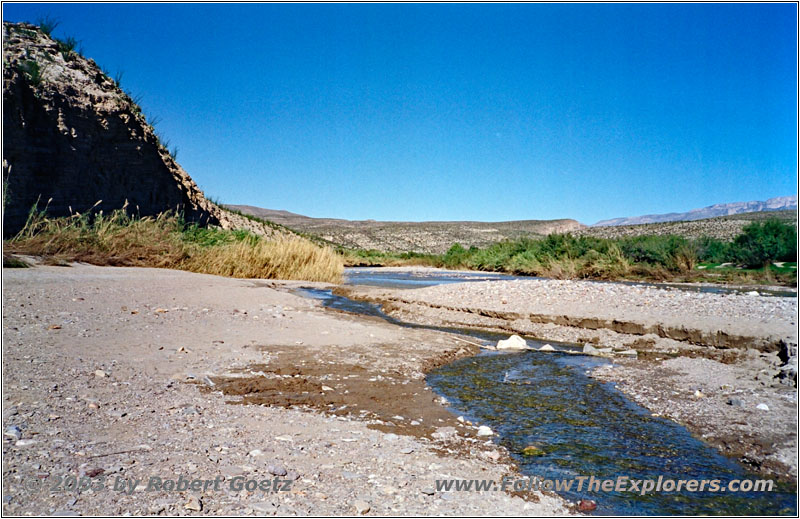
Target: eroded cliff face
72, 137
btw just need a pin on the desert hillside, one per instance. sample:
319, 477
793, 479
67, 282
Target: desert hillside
778, 203
73, 137
428, 237
720, 227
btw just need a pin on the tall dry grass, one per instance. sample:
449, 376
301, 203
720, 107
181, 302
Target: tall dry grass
288, 258
165, 241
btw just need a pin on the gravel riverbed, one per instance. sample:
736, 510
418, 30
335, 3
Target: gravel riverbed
723, 365
132, 373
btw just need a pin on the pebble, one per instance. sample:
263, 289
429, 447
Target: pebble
13, 432
587, 505
276, 470
194, 504
24, 443
588, 349
763, 407
547, 347
485, 430
735, 402
100, 373
361, 507
407, 450
532, 450
445, 433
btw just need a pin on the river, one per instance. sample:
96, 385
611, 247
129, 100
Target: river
582, 427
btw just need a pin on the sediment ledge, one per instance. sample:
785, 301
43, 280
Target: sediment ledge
702, 319
728, 373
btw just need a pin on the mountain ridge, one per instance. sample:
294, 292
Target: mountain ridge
778, 203
429, 237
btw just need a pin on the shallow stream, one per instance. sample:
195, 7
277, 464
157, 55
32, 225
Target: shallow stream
582, 427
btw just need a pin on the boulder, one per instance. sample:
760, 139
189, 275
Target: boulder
547, 347
515, 342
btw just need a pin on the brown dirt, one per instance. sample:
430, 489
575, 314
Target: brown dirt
295, 377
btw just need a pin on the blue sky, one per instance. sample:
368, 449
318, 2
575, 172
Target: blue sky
461, 112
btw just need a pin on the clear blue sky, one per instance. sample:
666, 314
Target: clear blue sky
456, 112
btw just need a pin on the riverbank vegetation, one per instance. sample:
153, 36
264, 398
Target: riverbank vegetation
166, 241
765, 252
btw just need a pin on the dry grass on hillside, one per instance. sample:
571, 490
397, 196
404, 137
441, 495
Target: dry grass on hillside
166, 241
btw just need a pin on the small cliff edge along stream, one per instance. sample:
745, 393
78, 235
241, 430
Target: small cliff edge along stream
580, 426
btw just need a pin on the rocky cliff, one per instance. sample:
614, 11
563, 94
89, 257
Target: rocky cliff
72, 137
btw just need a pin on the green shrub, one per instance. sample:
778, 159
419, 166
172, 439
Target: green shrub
32, 71
713, 250
47, 24
760, 242
455, 256
66, 47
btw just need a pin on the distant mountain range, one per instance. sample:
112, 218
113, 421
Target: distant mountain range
779, 203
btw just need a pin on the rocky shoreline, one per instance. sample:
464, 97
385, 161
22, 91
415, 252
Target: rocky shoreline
123, 374
723, 365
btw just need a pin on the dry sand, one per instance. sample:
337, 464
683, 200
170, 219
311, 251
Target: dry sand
117, 373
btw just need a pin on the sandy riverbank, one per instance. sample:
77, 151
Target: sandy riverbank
117, 372
705, 360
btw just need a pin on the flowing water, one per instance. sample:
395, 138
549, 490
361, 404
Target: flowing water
376, 276
582, 427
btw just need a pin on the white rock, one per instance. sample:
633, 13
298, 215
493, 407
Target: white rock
628, 353
763, 407
547, 347
588, 349
484, 430
515, 342
326, 388
255, 452
444, 433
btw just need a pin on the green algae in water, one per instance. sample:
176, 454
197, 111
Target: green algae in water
584, 428
587, 428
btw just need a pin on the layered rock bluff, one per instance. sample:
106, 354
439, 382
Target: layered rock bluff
72, 137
